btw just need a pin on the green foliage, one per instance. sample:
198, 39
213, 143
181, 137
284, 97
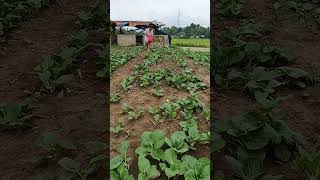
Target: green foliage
54, 145
12, 12
309, 164
151, 143
118, 128
72, 169
178, 142
229, 8
15, 115
249, 169
147, 171
258, 132
51, 71
119, 167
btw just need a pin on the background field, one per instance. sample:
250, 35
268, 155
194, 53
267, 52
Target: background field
191, 42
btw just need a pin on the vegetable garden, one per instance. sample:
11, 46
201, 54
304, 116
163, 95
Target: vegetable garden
159, 114
52, 112
266, 104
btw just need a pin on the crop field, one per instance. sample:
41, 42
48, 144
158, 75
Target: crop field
267, 92
52, 82
160, 114
191, 42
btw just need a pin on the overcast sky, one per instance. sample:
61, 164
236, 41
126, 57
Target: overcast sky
166, 11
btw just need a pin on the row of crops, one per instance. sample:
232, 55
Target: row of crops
243, 61
161, 154
54, 73
13, 11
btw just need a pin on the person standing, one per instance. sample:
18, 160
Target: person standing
149, 36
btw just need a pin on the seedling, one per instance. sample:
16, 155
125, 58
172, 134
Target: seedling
72, 169
135, 114
118, 128
15, 115
115, 97
309, 164
119, 167
55, 146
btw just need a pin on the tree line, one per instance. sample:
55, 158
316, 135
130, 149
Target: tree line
191, 31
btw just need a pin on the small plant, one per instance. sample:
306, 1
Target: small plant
126, 84
147, 171
115, 97
158, 91
54, 145
15, 115
250, 169
309, 164
136, 113
126, 108
169, 109
118, 128
151, 143
119, 167
72, 169
178, 142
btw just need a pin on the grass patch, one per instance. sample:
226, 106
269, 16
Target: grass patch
191, 42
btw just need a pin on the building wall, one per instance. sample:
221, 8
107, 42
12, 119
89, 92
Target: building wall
126, 40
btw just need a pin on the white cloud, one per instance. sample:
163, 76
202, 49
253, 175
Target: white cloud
191, 11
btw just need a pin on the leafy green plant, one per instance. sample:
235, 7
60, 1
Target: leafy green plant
55, 146
151, 143
172, 167
115, 97
229, 8
119, 167
250, 169
96, 147
15, 115
309, 164
178, 142
198, 169
126, 108
126, 84
136, 113
256, 132
72, 169
158, 91
169, 109
147, 171
118, 128
52, 68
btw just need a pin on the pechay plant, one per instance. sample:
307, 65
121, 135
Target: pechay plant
151, 144
54, 145
72, 169
15, 115
178, 142
309, 164
119, 167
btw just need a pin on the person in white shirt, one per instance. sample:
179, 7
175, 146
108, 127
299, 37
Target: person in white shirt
149, 36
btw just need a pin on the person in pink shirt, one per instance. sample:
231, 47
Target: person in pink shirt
149, 36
